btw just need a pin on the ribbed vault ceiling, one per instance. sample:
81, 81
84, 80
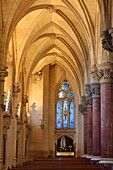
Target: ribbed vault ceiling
53, 31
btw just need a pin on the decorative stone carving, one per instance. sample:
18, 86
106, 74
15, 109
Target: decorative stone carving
105, 72
3, 72
25, 99
107, 42
83, 100
94, 75
51, 9
82, 109
16, 90
53, 36
88, 89
38, 76
88, 101
95, 90
6, 120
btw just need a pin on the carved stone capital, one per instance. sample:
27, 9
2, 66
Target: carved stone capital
105, 72
89, 101
3, 73
16, 90
107, 42
88, 89
83, 100
82, 109
95, 90
94, 74
25, 99
38, 76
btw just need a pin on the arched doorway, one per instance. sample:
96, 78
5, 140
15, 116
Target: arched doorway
65, 147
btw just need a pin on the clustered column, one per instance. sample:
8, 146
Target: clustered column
95, 90
89, 121
99, 126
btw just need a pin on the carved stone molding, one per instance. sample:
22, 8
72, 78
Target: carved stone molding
25, 99
107, 40
83, 100
38, 76
82, 109
88, 89
89, 101
3, 73
95, 90
51, 8
16, 90
94, 74
105, 72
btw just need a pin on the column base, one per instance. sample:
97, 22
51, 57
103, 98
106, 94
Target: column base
14, 161
96, 158
89, 156
107, 162
84, 156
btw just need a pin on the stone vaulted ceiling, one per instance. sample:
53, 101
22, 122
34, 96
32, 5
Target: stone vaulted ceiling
52, 31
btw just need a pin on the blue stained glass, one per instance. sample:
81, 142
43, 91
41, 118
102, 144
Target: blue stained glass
65, 86
65, 115
71, 114
59, 115
69, 94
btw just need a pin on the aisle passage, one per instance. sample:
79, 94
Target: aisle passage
59, 163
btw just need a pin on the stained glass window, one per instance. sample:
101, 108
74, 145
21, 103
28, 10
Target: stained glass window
72, 114
65, 107
65, 86
59, 114
61, 94
65, 114
69, 94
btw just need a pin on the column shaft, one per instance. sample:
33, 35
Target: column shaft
96, 127
106, 120
85, 133
89, 132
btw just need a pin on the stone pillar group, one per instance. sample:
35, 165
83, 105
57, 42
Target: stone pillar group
99, 102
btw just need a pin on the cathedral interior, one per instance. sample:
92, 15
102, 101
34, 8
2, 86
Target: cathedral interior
56, 80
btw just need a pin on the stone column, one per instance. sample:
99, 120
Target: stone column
89, 122
95, 90
16, 90
24, 120
83, 110
3, 74
105, 72
45, 111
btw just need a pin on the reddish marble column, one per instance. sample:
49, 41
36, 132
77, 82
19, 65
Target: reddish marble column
89, 131
105, 72
95, 89
85, 134
107, 120
89, 121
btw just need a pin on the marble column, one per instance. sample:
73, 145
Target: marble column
89, 122
105, 72
95, 90
3, 74
16, 90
